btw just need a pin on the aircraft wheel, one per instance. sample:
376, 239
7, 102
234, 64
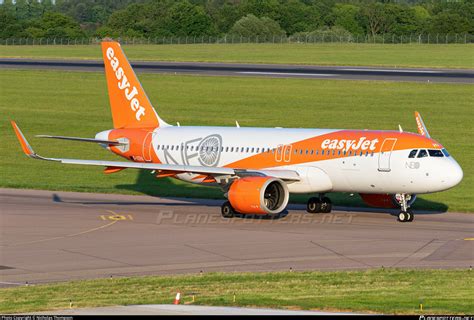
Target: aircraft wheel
227, 210
403, 216
313, 205
411, 216
326, 205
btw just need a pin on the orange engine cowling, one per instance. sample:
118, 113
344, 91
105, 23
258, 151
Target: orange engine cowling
262, 195
385, 200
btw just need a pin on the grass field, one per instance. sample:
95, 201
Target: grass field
383, 291
76, 104
398, 55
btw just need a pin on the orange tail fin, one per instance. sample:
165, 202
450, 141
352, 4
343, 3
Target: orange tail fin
129, 103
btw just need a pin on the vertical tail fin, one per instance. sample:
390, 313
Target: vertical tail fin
129, 103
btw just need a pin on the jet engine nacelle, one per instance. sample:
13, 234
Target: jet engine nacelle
260, 195
385, 200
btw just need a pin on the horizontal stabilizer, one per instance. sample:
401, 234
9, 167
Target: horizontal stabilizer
109, 142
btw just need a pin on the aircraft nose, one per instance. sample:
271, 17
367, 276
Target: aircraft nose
455, 174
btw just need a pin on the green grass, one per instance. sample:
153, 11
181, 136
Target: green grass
398, 55
76, 104
383, 291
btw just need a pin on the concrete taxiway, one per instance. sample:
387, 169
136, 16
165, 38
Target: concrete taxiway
170, 309
257, 70
48, 236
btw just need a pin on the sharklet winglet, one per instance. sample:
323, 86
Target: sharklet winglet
421, 125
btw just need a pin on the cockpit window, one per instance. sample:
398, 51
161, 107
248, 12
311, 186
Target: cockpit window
446, 153
413, 153
435, 153
422, 153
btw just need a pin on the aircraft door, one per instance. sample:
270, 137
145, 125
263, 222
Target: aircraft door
385, 154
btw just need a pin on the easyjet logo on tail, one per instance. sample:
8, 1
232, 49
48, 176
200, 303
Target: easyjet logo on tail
363, 144
124, 85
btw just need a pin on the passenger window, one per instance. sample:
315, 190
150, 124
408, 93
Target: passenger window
258, 149
422, 153
413, 153
322, 152
435, 153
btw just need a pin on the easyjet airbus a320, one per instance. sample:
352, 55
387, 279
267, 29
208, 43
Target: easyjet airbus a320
257, 168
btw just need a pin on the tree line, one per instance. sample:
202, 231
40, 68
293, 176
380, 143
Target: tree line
73, 19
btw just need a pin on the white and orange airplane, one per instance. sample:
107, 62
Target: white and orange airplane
257, 168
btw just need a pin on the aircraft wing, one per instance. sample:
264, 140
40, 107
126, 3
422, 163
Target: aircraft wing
287, 175
109, 142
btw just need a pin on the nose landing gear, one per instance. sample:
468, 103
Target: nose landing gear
319, 204
405, 215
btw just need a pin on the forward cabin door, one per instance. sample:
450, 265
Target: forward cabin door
385, 154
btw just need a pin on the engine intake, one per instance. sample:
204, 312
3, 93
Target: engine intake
262, 195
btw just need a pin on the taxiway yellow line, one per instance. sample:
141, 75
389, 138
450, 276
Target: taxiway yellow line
67, 236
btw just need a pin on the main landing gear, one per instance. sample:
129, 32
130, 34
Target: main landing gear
227, 210
405, 215
319, 204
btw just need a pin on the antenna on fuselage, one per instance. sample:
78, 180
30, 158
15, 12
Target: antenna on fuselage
237, 124
400, 128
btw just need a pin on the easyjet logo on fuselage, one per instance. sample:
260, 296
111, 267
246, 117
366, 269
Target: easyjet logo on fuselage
346, 145
124, 85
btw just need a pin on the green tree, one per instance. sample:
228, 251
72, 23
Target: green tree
422, 17
58, 25
450, 23
345, 16
223, 13
374, 18
251, 26
186, 19
295, 16
129, 22
10, 26
260, 8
